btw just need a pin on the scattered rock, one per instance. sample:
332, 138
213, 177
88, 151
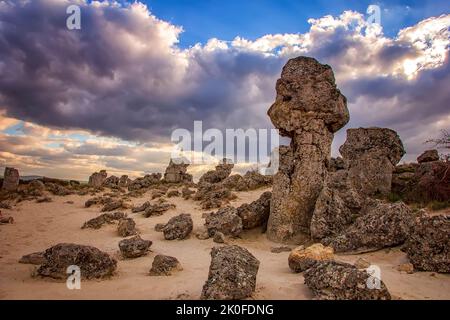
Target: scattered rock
157, 209
36, 258
280, 249
187, 193
406, 267
106, 218
92, 262
126, 227
111, 182
57, 190
124, 181
232, 274
141, 208
44, 199
164, 265
225, 220
202, 233
178, 227
213, 195
173, 193
222, 171
134, 247
428, 156
219, 237
147, 181
331, 280
428, 244
256, 213
112, 205
302, 259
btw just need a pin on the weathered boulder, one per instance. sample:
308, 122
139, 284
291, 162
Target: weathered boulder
176, 172
428, 156
97, 178
187, 193
92, 262
124, 181
337, 206
126, 227
106, 218
310, 109
301, 258
173, 193
178, 227
10, 179
331, 280
57, 189
219, 237
371, 155
113, 205
141, 207
379, 225
111, 182
213, 195
134, 247
164, 265
256, 213
222, 171
225, 220
147, 181
232, 274
157, 209
428, 244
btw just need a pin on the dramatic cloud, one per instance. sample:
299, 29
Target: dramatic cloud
123, 77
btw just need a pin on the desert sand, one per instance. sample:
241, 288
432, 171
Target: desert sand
38, 226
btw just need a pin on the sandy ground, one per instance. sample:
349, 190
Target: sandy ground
39, 226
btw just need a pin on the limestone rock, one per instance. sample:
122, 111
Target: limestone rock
310, 109
134, 247
371, 155
333, 280
222, 171
10, 179
232, 274
428, 244
406, 267
380, 225
178, 227
113, 205
157, 209
176, 172
164, 265
147, 181
124, 181
141, 207
225, 220
428, 156
219, 237
92, 262
126, 227
302, 258
173, 193
187, 193
111, 182
97, 178
256, 213
106, 218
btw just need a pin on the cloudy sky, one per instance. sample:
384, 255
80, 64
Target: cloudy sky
109, 95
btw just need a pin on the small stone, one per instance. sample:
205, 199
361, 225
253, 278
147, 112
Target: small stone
159, 227
134, 247
280, 249
219, 237
164, 265
178, 227
202, 233
301, 259
105, 218
126, 227
406, 267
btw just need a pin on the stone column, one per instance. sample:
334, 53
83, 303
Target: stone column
309, 109
10, 179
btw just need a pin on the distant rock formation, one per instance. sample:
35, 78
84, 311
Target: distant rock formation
176, 172
309, 109
10, 179
97, 178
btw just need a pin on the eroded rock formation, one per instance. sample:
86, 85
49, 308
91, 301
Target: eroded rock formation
97, 178
10, 179
176, 172
309, 109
